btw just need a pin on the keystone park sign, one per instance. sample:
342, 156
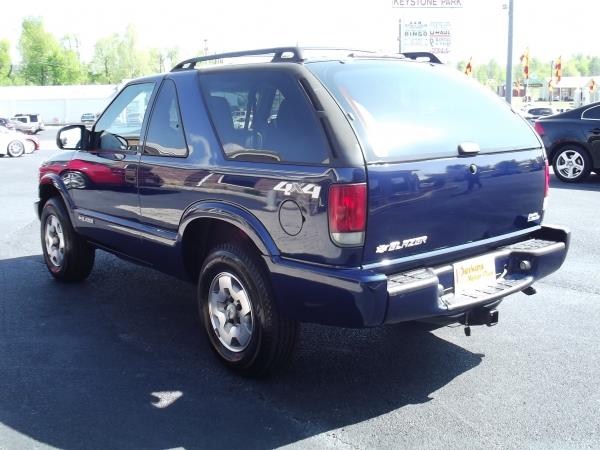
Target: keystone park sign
427, 3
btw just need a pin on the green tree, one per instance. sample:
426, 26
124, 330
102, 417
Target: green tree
44, 60
118, 57
5, 63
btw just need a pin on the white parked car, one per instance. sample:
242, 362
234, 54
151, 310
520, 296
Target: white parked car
16, 144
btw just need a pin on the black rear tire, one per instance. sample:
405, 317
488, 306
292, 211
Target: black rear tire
272, 337
69, 257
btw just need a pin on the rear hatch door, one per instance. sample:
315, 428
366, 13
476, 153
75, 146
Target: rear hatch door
449, 164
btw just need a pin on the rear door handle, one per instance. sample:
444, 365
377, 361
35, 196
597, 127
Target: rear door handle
468, 148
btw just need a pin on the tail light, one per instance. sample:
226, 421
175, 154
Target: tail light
539, 129
348, 213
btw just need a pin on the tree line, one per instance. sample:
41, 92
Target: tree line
46, 60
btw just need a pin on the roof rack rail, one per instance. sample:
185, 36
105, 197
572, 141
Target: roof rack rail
277, 52
426, 56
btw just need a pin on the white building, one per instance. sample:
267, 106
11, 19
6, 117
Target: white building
56, 104
573, 89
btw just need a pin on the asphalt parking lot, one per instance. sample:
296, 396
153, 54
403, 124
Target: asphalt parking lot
120, 361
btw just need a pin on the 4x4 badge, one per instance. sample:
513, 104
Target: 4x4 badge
299, 188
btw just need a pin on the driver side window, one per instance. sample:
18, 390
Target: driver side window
120, 126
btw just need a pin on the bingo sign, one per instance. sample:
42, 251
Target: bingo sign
424, 36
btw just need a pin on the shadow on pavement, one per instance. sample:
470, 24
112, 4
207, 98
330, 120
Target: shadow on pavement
591, 183
120, 361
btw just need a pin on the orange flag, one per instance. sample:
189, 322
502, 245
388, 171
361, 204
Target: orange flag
469, 68
525, 61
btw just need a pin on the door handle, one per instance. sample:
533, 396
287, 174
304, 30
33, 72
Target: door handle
468, 148
595, 131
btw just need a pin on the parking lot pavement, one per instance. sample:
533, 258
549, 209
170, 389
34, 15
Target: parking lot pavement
120, 361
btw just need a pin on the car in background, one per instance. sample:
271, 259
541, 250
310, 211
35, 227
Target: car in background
536, 113
28, 123
572, 142
7, 123
88, 118
15, 144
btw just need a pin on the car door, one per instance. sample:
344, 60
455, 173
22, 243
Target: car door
103, 178
591, 129
165, 177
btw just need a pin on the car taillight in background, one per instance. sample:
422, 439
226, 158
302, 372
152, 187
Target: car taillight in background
348, 213
539, 129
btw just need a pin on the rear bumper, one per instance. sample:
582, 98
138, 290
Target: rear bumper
363, 298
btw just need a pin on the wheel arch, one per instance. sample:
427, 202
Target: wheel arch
51, 185
209, 223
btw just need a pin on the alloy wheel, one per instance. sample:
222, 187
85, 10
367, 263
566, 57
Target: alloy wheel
570, 164
230, 312
55, 241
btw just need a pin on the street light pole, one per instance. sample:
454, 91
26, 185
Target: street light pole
509, 57
399, 35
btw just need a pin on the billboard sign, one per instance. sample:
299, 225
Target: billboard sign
423, 36
427, 3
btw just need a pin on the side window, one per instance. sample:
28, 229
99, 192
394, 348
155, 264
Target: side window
165, 132
592, 113
120, 126
263, 115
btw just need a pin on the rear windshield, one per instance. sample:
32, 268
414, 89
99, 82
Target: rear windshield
412, 110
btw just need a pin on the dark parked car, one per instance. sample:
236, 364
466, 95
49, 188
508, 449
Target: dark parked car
360, 190
572, 141
536, 113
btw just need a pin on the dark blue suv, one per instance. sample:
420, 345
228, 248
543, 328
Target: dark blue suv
340, 187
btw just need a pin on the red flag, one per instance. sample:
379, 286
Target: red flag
469, 68
525, 61
558, 71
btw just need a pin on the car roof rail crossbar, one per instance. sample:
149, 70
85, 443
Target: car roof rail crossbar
422, 56
280, 54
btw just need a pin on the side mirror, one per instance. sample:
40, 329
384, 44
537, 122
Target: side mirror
73, 137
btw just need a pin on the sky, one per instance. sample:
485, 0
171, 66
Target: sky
478, 29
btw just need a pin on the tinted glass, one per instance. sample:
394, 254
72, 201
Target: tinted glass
411, 110
121, 124
592, 113
264, 116
165, 132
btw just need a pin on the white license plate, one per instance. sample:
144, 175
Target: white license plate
474, 272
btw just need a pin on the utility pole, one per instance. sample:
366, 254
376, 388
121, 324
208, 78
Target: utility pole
509, 57
399, 35
550, 90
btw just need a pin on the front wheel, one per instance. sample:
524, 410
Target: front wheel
15, 149
571, 164
68, 256
237, 307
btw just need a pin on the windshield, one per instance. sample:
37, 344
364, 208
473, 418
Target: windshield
407, 110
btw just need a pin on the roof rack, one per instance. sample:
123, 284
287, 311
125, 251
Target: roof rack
422, 56
279, 54
295, 54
